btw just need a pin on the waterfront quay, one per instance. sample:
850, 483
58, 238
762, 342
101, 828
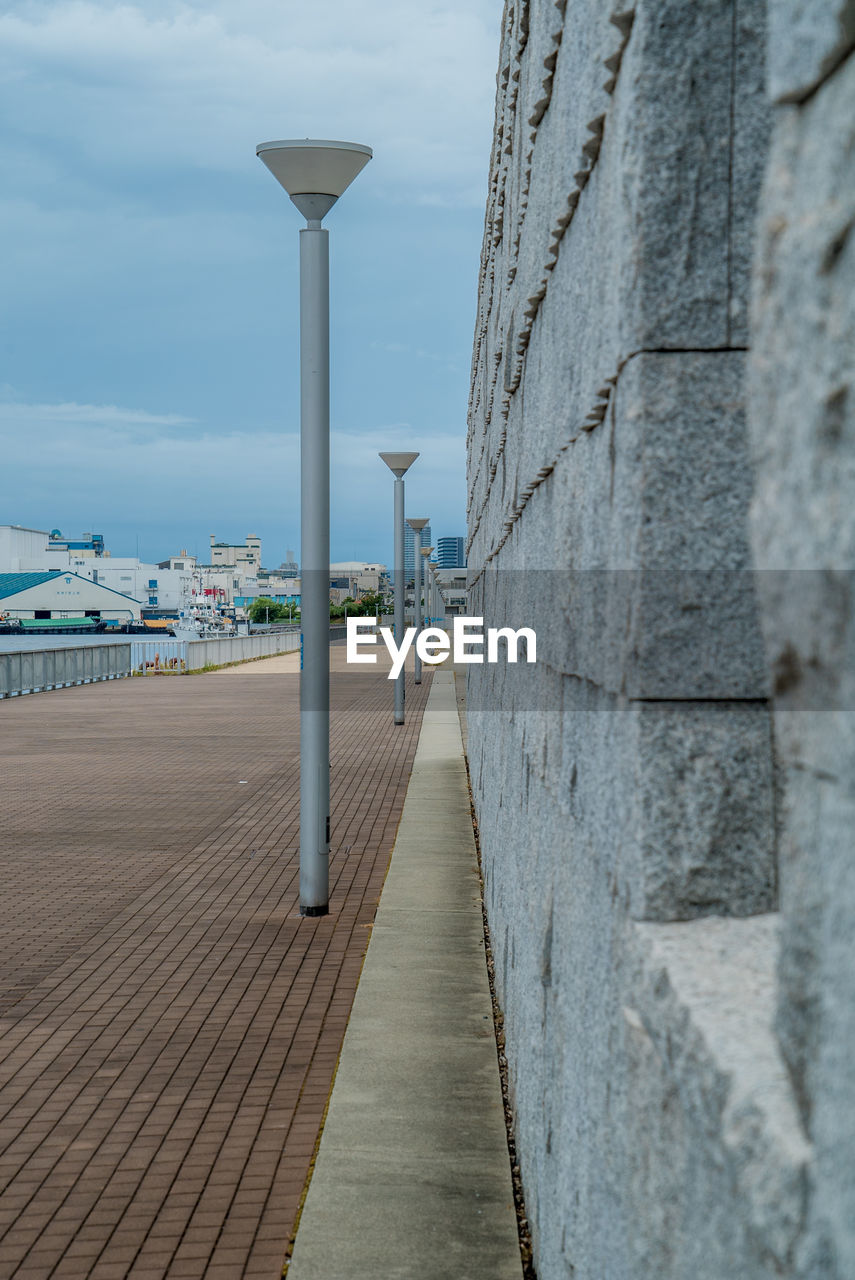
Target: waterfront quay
169, 1024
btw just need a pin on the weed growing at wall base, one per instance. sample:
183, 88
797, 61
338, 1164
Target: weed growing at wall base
434, 645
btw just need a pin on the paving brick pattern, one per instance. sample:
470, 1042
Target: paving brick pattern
169, 1025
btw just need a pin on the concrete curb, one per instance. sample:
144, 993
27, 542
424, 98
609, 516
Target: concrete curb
412, 1177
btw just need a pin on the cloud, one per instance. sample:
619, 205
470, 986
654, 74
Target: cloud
177, 84
122, 469
155, 263
15, 414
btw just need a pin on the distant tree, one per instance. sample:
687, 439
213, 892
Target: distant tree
368, 606
372, 604
263, 609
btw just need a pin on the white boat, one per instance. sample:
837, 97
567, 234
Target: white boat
202, 622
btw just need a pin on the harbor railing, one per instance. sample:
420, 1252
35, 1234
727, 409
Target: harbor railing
37, 669
178, 657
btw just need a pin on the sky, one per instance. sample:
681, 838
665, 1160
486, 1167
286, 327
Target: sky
149, 356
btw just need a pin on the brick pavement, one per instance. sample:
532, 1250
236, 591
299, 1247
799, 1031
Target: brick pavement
169, 1025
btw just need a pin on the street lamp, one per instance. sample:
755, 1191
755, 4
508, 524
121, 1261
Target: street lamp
314, 173
417, 526
423, 576
399, 464
436, 594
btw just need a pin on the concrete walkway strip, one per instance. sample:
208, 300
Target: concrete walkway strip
412, 1177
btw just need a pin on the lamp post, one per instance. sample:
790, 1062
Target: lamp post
399, 464
314, 173
426, 552
417, 526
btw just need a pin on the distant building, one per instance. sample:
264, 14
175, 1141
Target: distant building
22, 549
90, 544
424, 537
274, 585
223, 585
159, 590
244, 555
451, 553
452, 588
289, 567
357, 577
56, 594
182, 561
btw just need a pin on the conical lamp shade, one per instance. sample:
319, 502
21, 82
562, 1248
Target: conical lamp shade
399, 463
312, 166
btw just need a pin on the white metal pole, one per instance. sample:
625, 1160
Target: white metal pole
314, 172
399, 592
315, 555
419, 575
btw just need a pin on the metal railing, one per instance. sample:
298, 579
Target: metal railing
159, 657
177, 657
35, 670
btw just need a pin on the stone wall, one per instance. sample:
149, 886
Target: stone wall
668, 1071
802, 402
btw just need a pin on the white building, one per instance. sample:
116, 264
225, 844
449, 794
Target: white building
220, 586
278, 584
452, 586
361, 577
182, 561
172, 587
22, 549
53, 594
245, 555
158, 590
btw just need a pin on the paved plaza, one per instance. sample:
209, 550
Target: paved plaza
169, 1024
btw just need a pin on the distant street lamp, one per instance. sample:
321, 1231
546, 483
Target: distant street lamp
399, 464
437, 602
314, 173
417, 526
423, 579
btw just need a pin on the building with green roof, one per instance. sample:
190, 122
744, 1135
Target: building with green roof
54, 594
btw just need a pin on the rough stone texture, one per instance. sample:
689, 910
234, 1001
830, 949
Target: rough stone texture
625, 786
803, 432
808, 39
703, 811
751, 123
618, 219
655, 1122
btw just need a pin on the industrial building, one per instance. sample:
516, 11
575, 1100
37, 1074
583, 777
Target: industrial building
54, 594
22, 548
244, 555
